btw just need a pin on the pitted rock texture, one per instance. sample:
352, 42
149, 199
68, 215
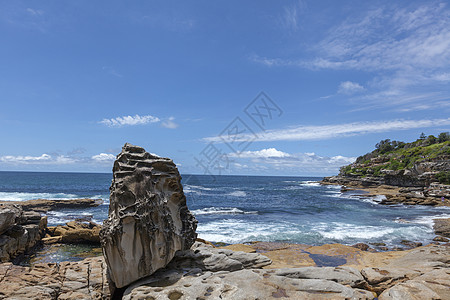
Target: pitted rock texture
204, 272
148, 218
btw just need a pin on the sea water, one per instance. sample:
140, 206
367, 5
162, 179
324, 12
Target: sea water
235, 209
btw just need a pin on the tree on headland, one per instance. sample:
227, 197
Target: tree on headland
443, 137
422, 136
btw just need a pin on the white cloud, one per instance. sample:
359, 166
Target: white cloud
129, 120
42, 159
169, 123
102, 157
348, 88
264, 153
272, 159
25, 159
323, 132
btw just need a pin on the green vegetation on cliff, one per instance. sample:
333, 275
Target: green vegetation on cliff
395, 155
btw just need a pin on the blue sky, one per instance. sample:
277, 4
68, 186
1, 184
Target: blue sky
78, 79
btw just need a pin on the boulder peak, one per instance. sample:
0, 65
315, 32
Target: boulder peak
148, 218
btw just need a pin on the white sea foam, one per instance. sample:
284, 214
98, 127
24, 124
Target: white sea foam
221, 211
237, 194
310, 183
19, 196
428, 220
197, 187
342, 231
333, 187
235, 231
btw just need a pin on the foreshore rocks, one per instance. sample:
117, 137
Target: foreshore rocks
148, 219
44, 205
442, 227
73, 232
434, 194
205, 272
67, 280
19, 230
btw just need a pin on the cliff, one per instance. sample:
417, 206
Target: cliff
420, 169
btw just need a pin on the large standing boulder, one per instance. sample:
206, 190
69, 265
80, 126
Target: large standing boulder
148, 218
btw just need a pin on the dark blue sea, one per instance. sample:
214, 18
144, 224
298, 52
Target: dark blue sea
233, 209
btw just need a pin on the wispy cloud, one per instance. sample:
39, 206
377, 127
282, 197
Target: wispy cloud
56, 159
35, 12
406, 50
130, 121
323, 132
169, 123
25, 159
111, 71
42, 159
349, 88
104, 157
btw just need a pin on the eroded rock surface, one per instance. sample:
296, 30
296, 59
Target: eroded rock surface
68, 280
148, 218
204, 272
19, 230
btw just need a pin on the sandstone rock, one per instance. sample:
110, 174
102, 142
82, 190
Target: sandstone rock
440, 239
431, 285
148, 218
21, 231
44, 205
361, 246
442, 227
343, 275
69, 280
75, 232
8, 216
411, 244
208, 258
242, 284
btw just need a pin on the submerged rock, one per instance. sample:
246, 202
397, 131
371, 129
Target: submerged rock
148, 218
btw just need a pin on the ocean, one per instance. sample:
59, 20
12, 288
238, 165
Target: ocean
235, 209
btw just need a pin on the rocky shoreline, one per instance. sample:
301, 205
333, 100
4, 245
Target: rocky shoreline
150, 251
434, 194
206, 272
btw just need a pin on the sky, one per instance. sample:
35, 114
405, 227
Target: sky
221, 87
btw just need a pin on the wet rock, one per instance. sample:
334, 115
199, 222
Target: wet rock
441, 239
148, 218
361, 246
442, 227
411, 244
